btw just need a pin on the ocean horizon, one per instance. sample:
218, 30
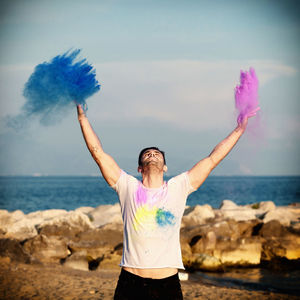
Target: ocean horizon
39, 192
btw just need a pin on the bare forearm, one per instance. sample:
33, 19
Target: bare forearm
92, 141
224, 147
109, 168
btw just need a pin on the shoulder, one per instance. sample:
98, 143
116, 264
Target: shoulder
181, 181
125, 180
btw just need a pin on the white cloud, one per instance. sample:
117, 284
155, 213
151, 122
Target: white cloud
187, 93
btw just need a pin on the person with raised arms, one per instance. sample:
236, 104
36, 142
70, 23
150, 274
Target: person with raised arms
152, 210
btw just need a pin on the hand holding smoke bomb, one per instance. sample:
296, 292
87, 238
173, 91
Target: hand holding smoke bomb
246, 96
54, 86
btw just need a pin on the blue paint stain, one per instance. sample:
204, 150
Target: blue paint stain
164, 218
56, 85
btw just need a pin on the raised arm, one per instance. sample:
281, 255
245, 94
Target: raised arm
199, 172
108, 167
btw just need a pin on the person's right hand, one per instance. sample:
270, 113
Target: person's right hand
80, 112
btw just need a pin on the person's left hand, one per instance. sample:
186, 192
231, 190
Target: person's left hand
244, 121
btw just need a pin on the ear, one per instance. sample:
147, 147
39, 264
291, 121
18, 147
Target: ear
165, 168
139, 169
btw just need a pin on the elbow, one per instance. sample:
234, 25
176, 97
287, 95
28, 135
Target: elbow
96, 152
213, 162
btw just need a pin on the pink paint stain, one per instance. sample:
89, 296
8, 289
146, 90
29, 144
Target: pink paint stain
142, 197
246, 95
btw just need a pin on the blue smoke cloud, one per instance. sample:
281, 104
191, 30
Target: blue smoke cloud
54, 86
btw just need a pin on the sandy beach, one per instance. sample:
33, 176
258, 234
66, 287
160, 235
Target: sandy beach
23, 281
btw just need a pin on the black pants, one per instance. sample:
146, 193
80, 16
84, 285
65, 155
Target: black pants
133, 287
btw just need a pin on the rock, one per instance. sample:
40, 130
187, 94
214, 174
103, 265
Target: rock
198, 215
110, 261
97, 242
238, 213
105, 214
267, 206
273, 229
284, 215
229, 210
242, 214
246, 253
41, 216
84, 209
206, 262
18, 226
13, 250
47, 249
21, 230
67, 225
78, 261
279, 242
228, 204
8, 218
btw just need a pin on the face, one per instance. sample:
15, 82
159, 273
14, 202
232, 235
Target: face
152, 157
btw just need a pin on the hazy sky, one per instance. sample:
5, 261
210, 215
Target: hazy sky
167, 71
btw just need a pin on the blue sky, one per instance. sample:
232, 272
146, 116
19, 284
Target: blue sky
167, 70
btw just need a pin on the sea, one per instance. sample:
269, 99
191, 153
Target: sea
33, 193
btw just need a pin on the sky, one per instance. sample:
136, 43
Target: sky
167, 71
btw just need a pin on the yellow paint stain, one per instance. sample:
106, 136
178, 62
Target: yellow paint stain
145, 218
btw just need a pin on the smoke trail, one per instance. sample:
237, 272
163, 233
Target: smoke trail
53, 88
246, 94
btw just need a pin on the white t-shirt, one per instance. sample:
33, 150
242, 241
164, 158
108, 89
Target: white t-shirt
152, 218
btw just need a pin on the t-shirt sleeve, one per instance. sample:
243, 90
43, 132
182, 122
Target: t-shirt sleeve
124, 186
121, 182
183, 184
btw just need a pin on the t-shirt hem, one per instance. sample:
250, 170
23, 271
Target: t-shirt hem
159, 267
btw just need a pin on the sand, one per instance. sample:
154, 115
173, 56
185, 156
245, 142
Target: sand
23, 281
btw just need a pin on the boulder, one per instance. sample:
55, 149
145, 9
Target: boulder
273, 229
67, 225
279, 242
105, 214
240, 214
96, 242
228, 204
111, 261
78, 261
246, 252
199, 214
267, 206
14, 250
8, 218
229, 210
18, 226
284, 215
206, 244
44, 215
21, 230
47, 249
84, 209
204, 262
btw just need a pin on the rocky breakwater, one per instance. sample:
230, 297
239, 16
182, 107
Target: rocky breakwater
211, 239
235, 236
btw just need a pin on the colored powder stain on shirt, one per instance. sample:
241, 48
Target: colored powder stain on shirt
145, 218
164, 218
141, 196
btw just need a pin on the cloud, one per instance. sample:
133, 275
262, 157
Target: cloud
186, 93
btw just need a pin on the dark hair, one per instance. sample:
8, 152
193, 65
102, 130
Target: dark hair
150, 148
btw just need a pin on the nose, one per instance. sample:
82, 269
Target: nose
152, 154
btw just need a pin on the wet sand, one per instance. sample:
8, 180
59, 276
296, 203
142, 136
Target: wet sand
23, 281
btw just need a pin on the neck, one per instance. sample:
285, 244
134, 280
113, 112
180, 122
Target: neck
153, 180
